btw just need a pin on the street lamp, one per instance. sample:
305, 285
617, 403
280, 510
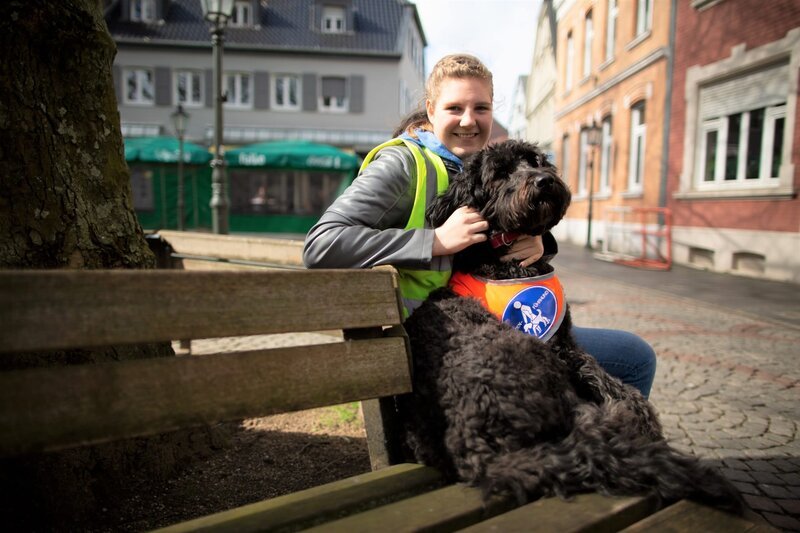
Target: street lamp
218, 12
180, 119
594, 136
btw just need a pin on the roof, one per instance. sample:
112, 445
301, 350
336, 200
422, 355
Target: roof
282, 25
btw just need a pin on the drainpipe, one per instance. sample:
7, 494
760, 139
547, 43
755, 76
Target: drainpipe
662, 193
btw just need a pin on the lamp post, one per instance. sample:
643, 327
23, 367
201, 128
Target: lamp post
218, 12
180, 119
594, 136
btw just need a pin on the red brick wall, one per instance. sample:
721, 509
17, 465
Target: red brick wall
704, 37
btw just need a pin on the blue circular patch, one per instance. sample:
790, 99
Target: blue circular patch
533, 310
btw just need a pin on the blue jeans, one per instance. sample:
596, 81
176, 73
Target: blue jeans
621, 354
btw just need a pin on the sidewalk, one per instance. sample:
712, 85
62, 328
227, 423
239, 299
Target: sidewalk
728, 380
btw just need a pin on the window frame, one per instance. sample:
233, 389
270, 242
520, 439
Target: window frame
570, 62
242, 9
637, 147
644, 17
142, 11
588, 43
138, 100
195, 77
606, 146
583, 162
333, 15
612, 13
298, 89
238, 103
342, 106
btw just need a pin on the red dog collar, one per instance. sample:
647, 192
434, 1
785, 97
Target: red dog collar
505, 238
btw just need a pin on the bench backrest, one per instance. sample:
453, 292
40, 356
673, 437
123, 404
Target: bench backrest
57, 407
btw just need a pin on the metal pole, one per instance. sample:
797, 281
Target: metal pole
591, 190
219, 193
180, 181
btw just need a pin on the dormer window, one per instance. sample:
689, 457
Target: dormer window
333, 19
143, 10
242, 14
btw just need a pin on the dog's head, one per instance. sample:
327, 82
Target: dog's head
512, 185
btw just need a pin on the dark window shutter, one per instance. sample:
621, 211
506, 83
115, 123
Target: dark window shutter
161, 9
309, 92
255, 9
209, 87
125, 7
334, 86
163, 86
116, 72
350, 18
356, 94
261, 97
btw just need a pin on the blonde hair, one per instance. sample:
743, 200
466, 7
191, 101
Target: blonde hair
450, 66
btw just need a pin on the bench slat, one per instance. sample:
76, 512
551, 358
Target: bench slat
319, 504
50, 408
260, 249
691, 516
585, 512
447, 509
41, 310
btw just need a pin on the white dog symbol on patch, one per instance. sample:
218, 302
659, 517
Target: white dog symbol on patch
532, 322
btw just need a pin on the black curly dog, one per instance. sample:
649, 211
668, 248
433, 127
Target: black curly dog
497, 408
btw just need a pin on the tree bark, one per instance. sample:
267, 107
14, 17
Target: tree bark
65, 196
65, 202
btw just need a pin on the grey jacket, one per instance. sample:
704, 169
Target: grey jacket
364, 227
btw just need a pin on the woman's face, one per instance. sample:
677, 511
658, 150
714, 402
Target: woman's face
462, 114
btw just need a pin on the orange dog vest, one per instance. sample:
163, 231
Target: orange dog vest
533, 305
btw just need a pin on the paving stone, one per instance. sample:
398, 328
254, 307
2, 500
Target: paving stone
767, 478
792, 478
736, 475
775, 491
782, 521
790, 506
763, 466
746, 488
761, 503
785, 465
738, 464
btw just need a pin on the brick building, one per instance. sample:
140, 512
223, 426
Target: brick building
733, 146
612, 65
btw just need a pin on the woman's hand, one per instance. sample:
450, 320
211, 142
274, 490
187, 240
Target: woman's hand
464, 228
527, 248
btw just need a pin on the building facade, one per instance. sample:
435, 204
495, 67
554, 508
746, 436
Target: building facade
541, 82
339, 72
612, 74
734, 137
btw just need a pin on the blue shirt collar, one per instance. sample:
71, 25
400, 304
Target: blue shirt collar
431, 142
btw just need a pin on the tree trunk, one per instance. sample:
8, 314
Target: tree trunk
65, 196
65, 202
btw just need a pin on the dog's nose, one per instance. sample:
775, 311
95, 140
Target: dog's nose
543, 181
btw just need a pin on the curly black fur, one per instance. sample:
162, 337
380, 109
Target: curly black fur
500, 409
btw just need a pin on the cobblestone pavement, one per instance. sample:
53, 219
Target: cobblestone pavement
727, 386
728, 382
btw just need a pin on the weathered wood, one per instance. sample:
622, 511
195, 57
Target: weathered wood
50, 408
585, 512
197, 263
447, 509
320, 504
42, 310
691, 516
260, 249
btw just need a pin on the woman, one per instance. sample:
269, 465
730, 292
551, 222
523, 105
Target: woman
378, 219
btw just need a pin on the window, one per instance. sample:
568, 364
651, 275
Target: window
333, 19
611, 29
636, 158
565, 158
143, 10
644, 16
286, 92
139, 86
570, 60
742, 148
281, 191
583, 157
588, 42
142, 188
242, 15
605, 156
189, 88
334, 94
238, 93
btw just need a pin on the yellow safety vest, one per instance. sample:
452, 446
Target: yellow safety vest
417, 284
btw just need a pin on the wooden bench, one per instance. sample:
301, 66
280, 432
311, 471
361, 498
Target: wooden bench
45, 409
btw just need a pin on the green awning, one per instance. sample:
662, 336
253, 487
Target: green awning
293, 155
164, 150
